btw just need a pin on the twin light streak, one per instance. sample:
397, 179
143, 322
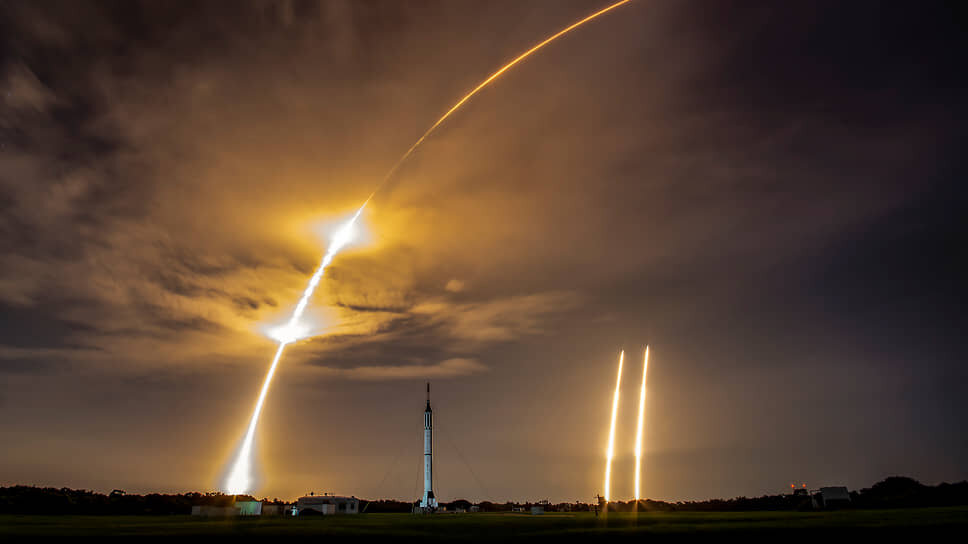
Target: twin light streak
610, 452
240, 476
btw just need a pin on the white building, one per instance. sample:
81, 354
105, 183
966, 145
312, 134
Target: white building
327, 505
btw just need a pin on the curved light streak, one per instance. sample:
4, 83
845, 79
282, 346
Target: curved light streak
240, 476
494, 76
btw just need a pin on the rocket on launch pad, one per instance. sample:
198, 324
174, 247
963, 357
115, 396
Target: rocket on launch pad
428, 503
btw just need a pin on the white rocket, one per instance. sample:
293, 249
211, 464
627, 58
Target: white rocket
428, 502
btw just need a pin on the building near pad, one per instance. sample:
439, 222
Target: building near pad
326, 505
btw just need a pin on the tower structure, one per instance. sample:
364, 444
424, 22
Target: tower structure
428, 503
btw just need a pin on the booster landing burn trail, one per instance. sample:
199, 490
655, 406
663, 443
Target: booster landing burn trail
610, 452
640, 428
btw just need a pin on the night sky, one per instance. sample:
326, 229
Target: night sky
770, 194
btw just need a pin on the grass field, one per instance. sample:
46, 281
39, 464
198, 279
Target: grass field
922, 522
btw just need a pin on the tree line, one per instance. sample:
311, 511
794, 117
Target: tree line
22, 499
893, 492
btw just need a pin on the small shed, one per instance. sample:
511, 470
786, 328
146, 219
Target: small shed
249, 508
214, 511
831, 497
271, 509
328, 504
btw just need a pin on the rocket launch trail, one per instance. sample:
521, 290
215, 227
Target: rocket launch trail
611, 431
491, 78
240, 477
239, 480
639, 428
